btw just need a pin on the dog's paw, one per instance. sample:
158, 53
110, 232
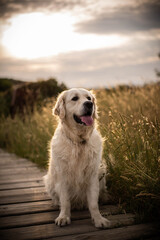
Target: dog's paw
62, 220
102, 222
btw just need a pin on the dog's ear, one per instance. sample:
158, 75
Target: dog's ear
59, 108
95, 114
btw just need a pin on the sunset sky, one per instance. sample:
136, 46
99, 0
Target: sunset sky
83, 43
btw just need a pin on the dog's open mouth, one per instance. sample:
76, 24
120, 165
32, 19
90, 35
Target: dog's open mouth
86, 120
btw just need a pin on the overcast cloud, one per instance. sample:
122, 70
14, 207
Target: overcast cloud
131, 63
124, 19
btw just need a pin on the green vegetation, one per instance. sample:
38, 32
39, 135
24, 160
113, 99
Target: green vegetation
22, 97
28, 137
130, 123
7, 83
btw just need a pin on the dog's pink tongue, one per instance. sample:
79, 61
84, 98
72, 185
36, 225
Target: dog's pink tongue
88, 120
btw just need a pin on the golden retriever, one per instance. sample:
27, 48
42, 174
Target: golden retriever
76, 176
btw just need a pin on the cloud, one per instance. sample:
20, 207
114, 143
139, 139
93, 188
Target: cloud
103, 16
11, 7
124, 19
133, 63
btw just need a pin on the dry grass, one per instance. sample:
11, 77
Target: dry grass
29, 137
130, 123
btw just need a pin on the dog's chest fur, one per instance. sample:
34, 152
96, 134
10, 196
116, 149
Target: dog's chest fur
76, 162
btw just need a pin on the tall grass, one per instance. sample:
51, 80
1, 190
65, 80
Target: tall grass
130, 123
29, 137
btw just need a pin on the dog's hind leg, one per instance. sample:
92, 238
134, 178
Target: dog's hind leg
104, 196
49, 185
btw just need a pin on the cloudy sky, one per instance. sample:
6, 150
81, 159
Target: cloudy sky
83, 43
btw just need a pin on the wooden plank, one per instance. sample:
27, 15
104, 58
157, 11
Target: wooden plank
20, 177
17, 192
28, 220
11, 160
51, 230
19, 180
42, 206
140, 231
20, 185
26, 208
26, 196
48, 217
21, 170
13, 165
6, 160
16, 164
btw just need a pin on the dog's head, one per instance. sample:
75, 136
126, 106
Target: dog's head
76, 106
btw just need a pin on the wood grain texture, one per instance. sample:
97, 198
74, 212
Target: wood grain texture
44, 206
27, 212
48, 217
30, 197
20, 180
20, 170
51, 230
21, 185
138, 232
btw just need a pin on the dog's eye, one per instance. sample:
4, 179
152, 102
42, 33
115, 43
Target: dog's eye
75, 98
89, 98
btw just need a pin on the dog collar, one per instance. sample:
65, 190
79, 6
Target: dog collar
83, 142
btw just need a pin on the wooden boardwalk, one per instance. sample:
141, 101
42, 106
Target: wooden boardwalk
26, 211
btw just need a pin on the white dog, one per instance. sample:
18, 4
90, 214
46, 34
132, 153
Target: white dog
75, 177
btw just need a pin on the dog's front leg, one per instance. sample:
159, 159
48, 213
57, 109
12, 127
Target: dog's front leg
92, 198
65, 208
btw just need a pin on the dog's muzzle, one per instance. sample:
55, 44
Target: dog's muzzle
86, 119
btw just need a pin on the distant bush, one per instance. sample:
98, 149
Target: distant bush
7, 83
22, 98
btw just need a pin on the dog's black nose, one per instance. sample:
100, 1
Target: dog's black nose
88, 105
